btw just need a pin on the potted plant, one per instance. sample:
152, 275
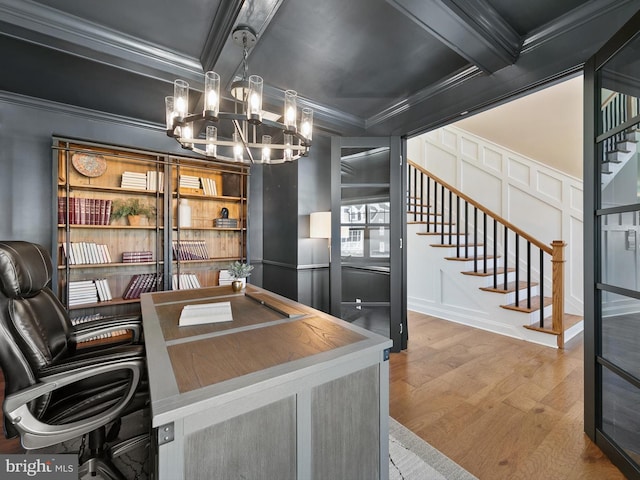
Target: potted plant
238, 271
133, 209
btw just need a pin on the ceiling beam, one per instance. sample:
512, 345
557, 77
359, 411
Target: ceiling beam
223, 23
472, 28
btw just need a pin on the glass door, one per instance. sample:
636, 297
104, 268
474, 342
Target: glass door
367, 282
612, 253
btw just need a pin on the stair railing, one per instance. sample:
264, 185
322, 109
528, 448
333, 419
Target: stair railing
431, 200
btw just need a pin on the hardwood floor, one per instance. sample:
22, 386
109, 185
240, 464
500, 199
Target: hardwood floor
502, 408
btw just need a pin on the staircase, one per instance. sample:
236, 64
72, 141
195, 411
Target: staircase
471, 266
617, 157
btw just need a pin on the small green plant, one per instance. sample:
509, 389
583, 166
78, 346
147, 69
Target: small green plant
131, 206
239, 270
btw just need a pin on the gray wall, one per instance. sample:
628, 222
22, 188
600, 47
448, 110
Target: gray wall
295, 265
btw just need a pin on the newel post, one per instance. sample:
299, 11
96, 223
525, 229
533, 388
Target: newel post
557, 286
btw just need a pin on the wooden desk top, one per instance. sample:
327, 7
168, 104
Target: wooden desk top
269, 336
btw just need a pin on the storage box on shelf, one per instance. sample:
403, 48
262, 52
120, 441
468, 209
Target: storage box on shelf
97, 250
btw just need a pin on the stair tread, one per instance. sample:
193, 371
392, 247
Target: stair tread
440, 233
522, 304
511, 287
489, 272
568, 321
467, 259
445, 245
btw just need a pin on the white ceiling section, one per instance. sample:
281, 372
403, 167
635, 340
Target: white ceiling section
545, 126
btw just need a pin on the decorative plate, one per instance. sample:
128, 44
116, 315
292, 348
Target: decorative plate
89, 165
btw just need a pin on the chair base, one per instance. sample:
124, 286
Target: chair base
98, 460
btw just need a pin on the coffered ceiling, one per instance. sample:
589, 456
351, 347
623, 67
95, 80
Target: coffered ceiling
373, 67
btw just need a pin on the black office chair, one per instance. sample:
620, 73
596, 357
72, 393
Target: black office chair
54, 392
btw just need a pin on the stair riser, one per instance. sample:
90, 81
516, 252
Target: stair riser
467, 265
453, 251
511, 296
488, 281
618, 156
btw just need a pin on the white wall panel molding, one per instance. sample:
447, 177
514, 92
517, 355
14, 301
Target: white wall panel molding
542, 200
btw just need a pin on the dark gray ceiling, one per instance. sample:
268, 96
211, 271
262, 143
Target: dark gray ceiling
374, 67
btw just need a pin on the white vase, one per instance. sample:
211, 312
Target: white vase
184, 213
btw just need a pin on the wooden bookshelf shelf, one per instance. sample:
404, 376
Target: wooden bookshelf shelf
195, 252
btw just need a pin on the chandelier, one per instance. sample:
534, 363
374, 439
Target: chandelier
254, 138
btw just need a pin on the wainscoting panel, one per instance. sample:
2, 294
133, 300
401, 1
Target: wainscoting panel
541, 200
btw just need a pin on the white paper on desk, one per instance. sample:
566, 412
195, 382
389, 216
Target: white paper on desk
205, 313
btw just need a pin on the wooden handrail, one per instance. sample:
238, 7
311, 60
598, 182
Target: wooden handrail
542, 246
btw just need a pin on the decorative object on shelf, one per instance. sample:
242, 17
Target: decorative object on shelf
224, 213
133, 209
89, 165
238, 271
184, 213
251, 130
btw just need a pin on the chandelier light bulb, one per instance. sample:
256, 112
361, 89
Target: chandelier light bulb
181, 98
254, 107
266, 149
187, 134
290, 107
211, 136
237, 148
306, 123
288, 151
211, 94
169, 112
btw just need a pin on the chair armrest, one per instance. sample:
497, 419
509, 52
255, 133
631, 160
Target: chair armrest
94, 357
85, 331
37, 434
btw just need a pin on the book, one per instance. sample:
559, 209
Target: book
204, 313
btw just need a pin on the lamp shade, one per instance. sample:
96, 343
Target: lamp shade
320, 225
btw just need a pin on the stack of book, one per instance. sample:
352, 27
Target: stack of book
81, 253
137, 257
189, 182
209, 186
104, 292
155, 181
134, 181
184, 281
84, 211
227, 222
190, 250
142, 283
83, 291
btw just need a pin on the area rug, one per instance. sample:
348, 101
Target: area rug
410, 457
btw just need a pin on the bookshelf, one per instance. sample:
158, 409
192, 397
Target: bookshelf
103, 262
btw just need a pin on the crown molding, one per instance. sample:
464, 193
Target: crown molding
46, 26
575, 18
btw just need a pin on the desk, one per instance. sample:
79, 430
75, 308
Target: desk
281, 392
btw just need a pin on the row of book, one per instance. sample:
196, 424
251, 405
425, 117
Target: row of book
81, 253
137, 257
151, 180
89, 291
184, 281
209, 186
84, 211
142, 283
189, 250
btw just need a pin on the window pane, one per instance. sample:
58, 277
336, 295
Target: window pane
365, 165
620, 415
621, 331
619, 250
379, 242
379, 213
352, 242
618, 95
619, 172
353, 214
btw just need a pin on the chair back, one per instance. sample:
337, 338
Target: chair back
34, 326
